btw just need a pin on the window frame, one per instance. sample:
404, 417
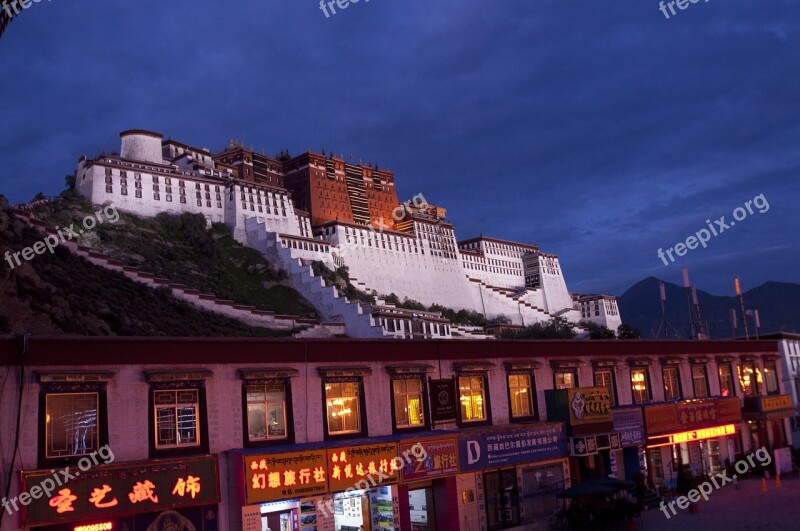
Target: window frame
572, 371
287, 413
648, 389
362, 405
46, 389
534, 416
202, 446
424, 399
487, 421
774, 370
664, 369
754, 386
702, 367
613, 384
729, 366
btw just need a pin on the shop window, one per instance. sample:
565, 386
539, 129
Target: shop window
343, 407
726, 387
672, 383
565, 379
267, 412
521, 395
540, 484
771, 377
408, 398
605, 378
473, 399
699, 381
640, 386
748, 378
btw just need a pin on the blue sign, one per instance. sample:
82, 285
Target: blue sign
511, 446
630, 425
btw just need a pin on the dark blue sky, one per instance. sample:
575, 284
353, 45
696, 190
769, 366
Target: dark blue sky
600, 131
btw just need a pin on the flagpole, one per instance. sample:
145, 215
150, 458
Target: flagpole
741, 300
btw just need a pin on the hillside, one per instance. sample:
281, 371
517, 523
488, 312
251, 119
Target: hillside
183, 250
776, 302
65, 294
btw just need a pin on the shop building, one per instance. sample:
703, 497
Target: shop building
287, 433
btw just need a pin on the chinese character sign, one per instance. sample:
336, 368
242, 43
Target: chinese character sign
108, 491
280, 476
440, 459
365, 466
511, 446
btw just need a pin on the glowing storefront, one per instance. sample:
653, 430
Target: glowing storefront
696, 436
179, 494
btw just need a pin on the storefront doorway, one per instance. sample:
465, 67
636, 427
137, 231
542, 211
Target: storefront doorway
421, 505
351, 511
502, 498
279, 516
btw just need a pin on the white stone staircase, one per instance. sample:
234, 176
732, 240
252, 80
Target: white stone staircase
357, 321
304, 328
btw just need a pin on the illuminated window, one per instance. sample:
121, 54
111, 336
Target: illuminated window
521, 395
71, 424
771, 377
177, 418
266, 412
409, 408
605, 378
699, 381
639, 386
672, 383
342, 401
566, 379
726, 380
749, 378
472, 395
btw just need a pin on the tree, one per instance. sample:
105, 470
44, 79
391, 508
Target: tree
70, 180
39, 196
597, 331
556, 328
626, 331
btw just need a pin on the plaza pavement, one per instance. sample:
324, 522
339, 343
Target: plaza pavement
729, 509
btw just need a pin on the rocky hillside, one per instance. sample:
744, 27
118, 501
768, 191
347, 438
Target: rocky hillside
61, 293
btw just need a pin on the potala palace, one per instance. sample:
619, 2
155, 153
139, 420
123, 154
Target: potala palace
319, 207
